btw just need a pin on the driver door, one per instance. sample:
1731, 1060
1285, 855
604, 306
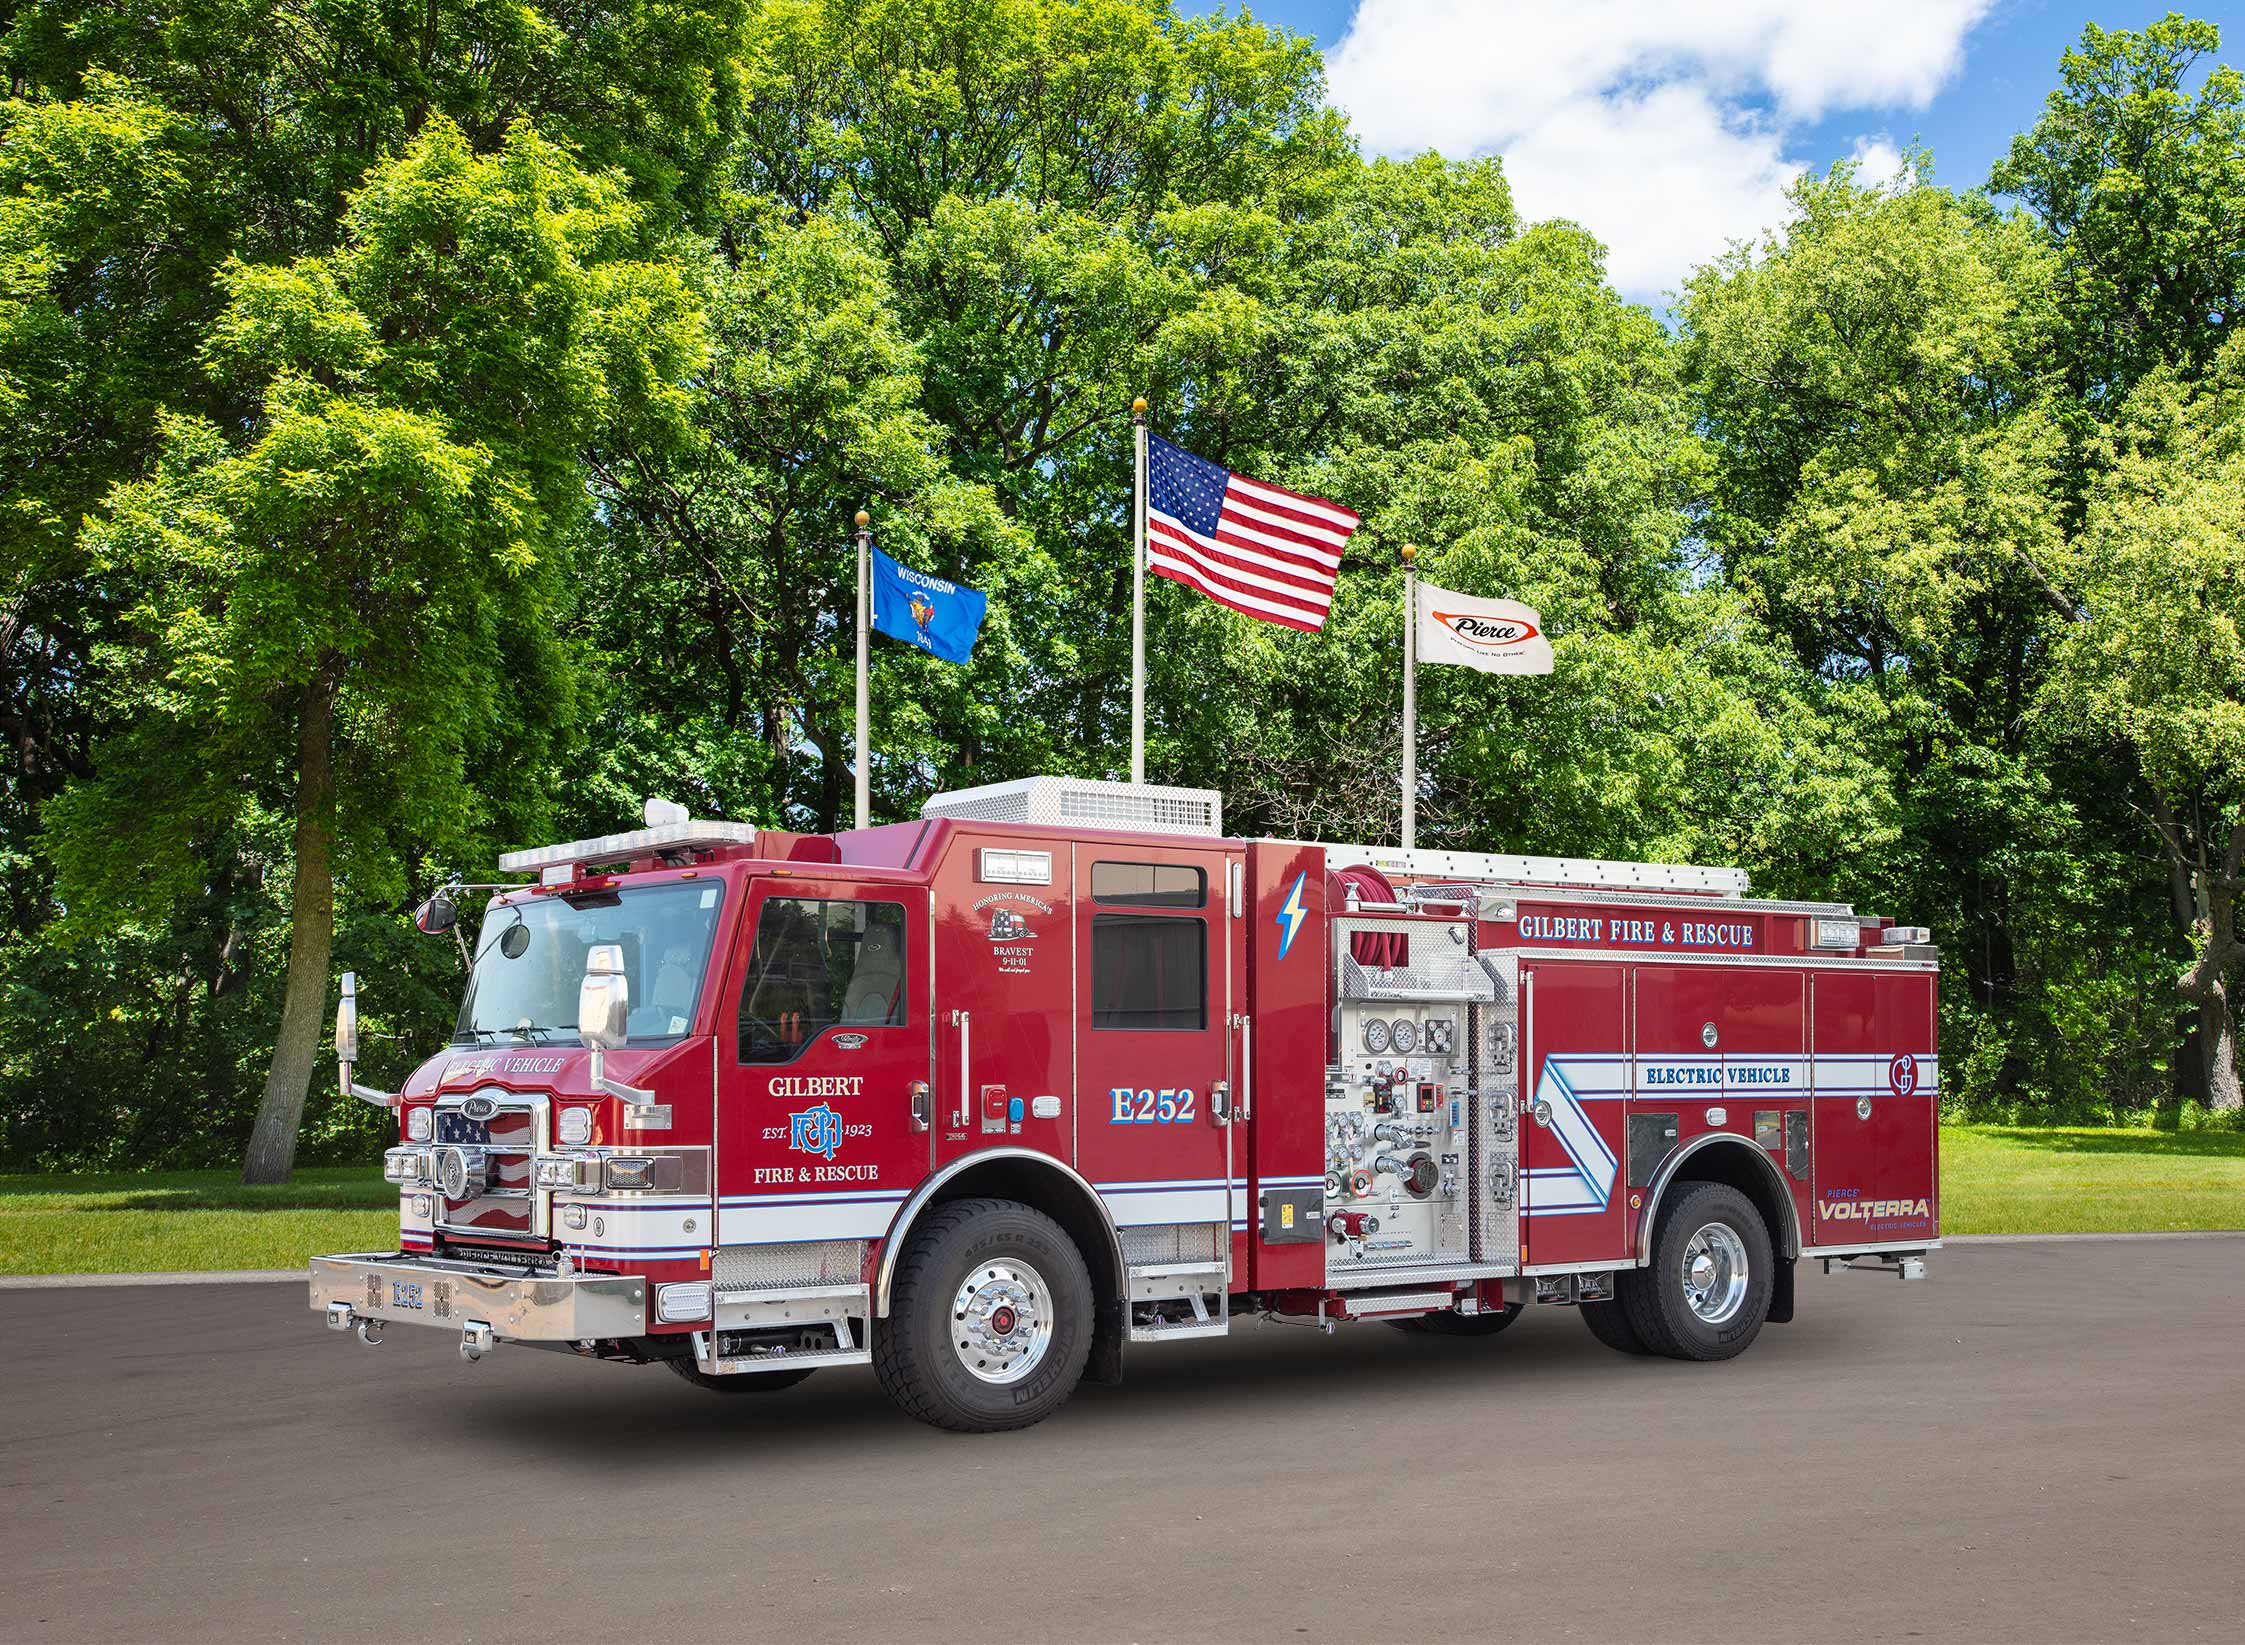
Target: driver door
823, 1062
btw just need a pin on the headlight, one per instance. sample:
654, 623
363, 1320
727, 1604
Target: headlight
642, 1171
576, 1126
679, 1302
406, 1164
419, 1122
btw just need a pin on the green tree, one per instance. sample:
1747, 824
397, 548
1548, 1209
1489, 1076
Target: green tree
351, 601
1880, 383
2158, 663
2140, 186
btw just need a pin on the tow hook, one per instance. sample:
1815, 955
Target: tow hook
475, 1340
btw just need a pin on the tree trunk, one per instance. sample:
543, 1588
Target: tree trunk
2218, 1040
2206, 984
311, 937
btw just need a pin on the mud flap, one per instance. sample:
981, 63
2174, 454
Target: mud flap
1781, 1294
1105, 1364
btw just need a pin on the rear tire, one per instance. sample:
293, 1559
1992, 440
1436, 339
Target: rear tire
747, 1382
1707, 1290
1449, 1324
991, 1320
1609, 1321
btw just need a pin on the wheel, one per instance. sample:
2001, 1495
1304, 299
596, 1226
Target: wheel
1609, 1321
1449, 1324
991, 1318
1707, 1290
752, 1382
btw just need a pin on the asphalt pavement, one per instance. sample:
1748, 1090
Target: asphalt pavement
2040, 1442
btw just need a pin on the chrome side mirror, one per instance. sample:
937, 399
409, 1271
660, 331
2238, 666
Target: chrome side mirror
603, 998
347, 1047
603, 1009
347, 1028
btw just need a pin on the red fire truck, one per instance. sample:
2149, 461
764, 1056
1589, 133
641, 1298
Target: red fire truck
985, 1098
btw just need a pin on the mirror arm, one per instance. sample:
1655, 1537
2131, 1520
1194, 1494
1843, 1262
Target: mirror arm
365, 1093
632, 1096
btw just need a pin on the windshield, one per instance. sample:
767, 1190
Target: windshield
530, 958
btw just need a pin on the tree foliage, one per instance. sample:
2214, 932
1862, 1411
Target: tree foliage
423, 429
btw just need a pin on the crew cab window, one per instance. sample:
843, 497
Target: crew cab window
820, 963
1149, 972
1149, 884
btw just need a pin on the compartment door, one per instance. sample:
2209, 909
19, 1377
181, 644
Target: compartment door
1877, 1084
1577, 1080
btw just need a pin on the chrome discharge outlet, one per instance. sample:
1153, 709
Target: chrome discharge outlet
475, 1340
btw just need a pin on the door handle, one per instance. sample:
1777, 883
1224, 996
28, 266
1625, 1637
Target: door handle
921, 1100
1220, 1104
1246, 1101
966, 1069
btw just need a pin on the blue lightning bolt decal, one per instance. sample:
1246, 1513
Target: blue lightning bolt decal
1291, 914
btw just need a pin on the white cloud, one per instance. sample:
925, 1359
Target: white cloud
1660, 125
1877, 161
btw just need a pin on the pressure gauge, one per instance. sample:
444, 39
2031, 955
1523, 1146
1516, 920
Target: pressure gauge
1439, 1036
1376, 1035
1405, 1033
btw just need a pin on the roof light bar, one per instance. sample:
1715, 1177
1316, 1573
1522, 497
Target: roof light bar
639, 842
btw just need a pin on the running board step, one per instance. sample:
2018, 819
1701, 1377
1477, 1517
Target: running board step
1203, 1323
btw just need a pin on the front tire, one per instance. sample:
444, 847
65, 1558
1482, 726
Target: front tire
747, 1382
1707, 1290
991, 1321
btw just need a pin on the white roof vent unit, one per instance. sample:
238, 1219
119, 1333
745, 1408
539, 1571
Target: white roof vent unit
1081, 802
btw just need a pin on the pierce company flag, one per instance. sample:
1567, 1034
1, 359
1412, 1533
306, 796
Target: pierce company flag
1495, 636
1260, 549
942, 618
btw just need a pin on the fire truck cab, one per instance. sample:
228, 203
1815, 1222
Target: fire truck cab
985, 1098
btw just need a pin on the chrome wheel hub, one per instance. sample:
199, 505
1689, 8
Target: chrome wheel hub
1715, 1272
1001, 1320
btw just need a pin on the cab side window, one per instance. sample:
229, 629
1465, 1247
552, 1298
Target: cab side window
818, 963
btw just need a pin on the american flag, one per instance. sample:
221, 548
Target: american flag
1260, 549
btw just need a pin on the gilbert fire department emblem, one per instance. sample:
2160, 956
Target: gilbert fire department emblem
1062, 1069
815, 1131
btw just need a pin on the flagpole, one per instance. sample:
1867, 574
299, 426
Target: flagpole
864, 694
1410, 553
1138, 596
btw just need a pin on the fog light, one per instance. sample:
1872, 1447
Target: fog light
405, 1165
576, 1126
565, 1171
679, 1302
419, 1122
572, 1216
423, 1207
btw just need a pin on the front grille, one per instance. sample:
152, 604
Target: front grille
506, 1142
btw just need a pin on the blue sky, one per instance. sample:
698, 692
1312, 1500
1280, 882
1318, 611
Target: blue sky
1669, 127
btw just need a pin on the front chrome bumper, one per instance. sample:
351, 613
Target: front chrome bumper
392, 1288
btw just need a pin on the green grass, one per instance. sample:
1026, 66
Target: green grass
1994, 1180
140, 1223
1999, 1179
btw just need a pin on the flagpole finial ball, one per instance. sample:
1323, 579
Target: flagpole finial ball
1409, 551
863, 519
1138, 406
